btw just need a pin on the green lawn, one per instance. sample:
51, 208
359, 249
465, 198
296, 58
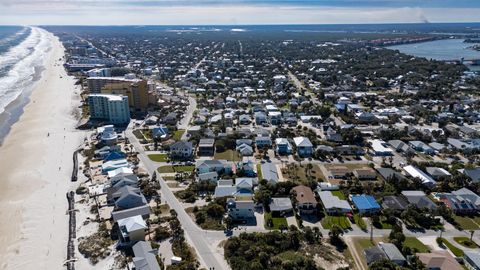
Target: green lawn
360, 244
455, 250
158, 157
342, 221
465, 241
230, 155
383, 224
414, 243
172, 169
259, 172
277, 221
177, 135
363, 243
465, 223
359, 221
301, 174
339, 194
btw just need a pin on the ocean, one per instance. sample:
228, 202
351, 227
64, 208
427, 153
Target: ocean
22, 53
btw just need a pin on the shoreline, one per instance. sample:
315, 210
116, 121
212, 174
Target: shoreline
15, 109
35, 159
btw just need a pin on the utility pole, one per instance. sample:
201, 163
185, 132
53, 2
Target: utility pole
371, 231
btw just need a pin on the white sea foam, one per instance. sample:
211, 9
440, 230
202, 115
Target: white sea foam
22, 62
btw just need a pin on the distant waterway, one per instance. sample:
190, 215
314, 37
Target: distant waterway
445, 49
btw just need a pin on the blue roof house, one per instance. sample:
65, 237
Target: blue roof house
365, 204
114, 155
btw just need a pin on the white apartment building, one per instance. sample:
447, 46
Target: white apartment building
113, 108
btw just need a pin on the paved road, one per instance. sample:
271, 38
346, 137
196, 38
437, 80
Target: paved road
185, 121
207, 254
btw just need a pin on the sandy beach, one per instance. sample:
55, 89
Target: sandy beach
36, 169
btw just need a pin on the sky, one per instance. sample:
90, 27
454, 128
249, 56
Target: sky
234, 12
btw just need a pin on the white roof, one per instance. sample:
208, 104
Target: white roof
378, 146
134, 223
110, 97
331, 201
302, 141
417, 173
124, 170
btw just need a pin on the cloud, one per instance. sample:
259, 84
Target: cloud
197, 12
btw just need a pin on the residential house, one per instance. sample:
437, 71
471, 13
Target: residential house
305, 199
421, 147
105, 150
126, 197
327, 186
393, 253
439, 260
438, 173
366, 117
245, 184
143, 211
471, 259
365, 173
244, 119
281, 207
170, 119
374, 254
304, 146
114, 155
333, 136
458, 204
260, 118
282, 146
181, 150
349, 150
378, 148
226, 188
395, 203
160, 133
419, 199
333, 204
114, 164
208, 176
467, 194
145, 258
240, 209
389, 174
212, 165
365, 204
206, 147
438, 147
131, 230
400, 146
246, 168
269, 172
122, 170
239, 142
245, 150
124, 180
338, 172
263, 141
473, 174
462, 145
417, 173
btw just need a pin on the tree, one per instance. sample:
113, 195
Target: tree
396, 236
416, 264
335, 233
229, 223
383, 264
